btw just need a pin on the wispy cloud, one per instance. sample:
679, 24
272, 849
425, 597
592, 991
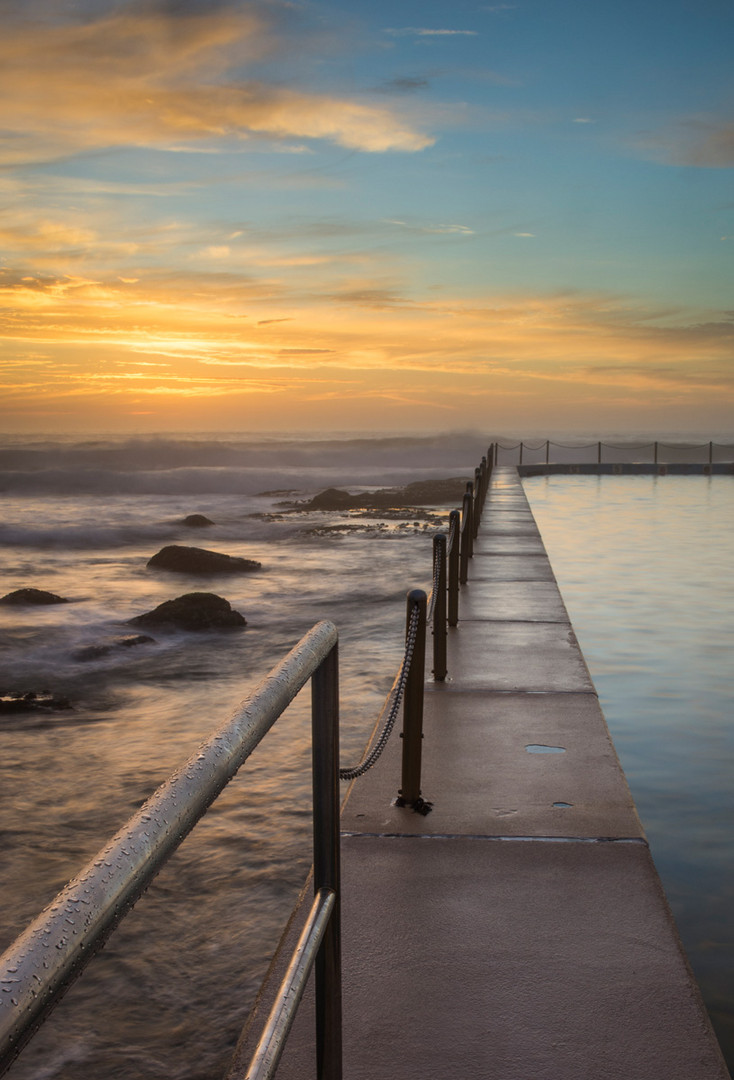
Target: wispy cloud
422, 31
430, 229
701, 141
167, 78
404, 84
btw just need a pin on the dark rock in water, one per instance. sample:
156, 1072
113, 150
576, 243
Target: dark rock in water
94, 652
193, 611
32, 596
30, 701
420, 493
197, 521
193, 560
335, 499
433, 492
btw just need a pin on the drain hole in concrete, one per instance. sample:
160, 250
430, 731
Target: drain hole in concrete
538, 748
562, 805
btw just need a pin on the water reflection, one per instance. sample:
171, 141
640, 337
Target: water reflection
645, 568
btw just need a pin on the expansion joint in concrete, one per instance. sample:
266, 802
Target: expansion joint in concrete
637, 840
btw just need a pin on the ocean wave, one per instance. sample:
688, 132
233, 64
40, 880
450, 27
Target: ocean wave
84, 537
228, 466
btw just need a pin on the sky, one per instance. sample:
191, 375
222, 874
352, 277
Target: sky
285, 215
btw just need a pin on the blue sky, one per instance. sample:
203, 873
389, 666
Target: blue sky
287, 212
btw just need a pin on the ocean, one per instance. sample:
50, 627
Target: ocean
170, 991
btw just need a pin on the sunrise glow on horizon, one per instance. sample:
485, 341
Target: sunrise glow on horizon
271, 215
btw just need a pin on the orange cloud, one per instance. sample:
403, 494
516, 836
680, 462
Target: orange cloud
213, 333
144, 78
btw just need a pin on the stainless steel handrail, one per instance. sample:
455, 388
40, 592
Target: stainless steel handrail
37, 969
270, 1048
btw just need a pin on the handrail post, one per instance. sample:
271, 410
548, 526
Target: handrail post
410, 790
470, 528
466, 537
455, 533
326, 861
439, 608
477, 507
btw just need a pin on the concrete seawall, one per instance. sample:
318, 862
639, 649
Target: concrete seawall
519, 931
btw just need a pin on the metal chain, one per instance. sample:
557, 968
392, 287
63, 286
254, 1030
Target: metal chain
452, 535
373, 755
434, 590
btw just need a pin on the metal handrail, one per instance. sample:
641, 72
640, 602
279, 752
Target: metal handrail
44, 961
269, 1049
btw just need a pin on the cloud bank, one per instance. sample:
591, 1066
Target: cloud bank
166, 78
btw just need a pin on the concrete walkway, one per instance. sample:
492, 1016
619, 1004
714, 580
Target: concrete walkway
519, 931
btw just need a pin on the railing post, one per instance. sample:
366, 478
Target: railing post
455, 533
477, 507
410, 790
466, 538
439, 607
326, 861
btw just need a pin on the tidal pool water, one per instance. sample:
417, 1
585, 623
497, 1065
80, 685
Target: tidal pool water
646, 568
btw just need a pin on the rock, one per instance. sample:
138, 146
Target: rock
433, 492
335, 499
30, 701
94, 652
193, 560
420, 493
197, 521
193, 611
32, 596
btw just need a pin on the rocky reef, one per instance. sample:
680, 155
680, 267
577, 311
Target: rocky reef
193, 560
193, 611
38, 597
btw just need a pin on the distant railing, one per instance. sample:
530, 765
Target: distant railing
602, 453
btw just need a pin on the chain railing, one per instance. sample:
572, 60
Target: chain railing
548, 452
396, 697
451, 556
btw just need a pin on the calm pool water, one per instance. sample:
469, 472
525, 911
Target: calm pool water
646, 568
